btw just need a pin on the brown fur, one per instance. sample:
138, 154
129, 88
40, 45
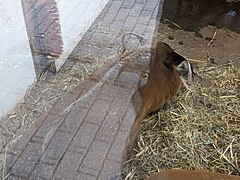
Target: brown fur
178, 174
162, 85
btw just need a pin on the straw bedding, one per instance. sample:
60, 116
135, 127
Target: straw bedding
200, 129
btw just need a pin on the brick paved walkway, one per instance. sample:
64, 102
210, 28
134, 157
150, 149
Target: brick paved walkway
87, 141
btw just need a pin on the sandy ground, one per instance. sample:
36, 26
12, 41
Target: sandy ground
224, 46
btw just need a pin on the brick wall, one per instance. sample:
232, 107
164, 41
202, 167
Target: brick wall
44, 32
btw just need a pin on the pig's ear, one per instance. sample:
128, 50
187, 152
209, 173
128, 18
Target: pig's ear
174, 58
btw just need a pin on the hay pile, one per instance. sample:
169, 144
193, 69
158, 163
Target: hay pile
199, 130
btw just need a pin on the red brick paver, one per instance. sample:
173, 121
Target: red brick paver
88, 140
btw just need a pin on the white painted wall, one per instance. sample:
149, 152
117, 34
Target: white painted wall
16, 65
76, 17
